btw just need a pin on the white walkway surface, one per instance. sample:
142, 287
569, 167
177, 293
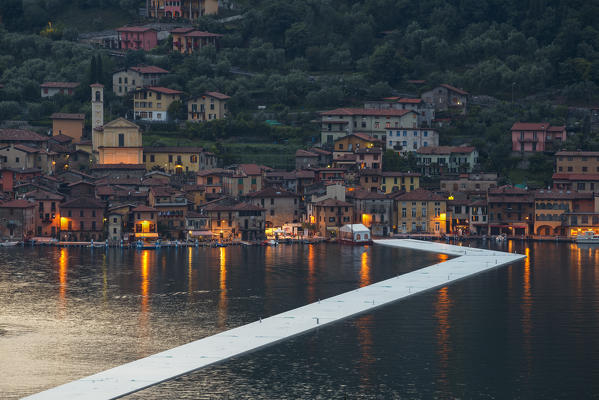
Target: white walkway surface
160, 367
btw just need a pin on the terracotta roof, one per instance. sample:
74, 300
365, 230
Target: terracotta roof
83, 202
135, 29
202, 34
119, 166
405, 100
560, 128
215, 171
578, 153
272, 192
217, 95
82, 182
20, 203
233, 207
507, 189
22, 135
530, 126
26, 149
40, 194
143, 208
333, 203
320, 151
305, 153
60, 138
575, 177
346, 157
59, 85
149, 69
370, 172
305, 174
445, 149
253, 169
67, 116
420, 195
163, 90
173, 149
364, 111
454, 89
361, 194
182, 30
366, 137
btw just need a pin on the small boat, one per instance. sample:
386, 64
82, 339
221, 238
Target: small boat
588, 237
500, 238
8, 243
271, 242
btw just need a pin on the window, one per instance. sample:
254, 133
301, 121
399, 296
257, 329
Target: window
81, 213
584, 169
121, 140
82, 225
403, 212
170, 158
152, 158
93, 213
193, 158
17, 159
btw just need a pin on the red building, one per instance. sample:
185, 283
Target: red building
137, 38
17, 220
82, 219
528, 137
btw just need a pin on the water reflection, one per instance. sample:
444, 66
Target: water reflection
311, 274
189, 271
365, 343
222, 301
144, 329
63, 265
364, 270
526, 311
442, 308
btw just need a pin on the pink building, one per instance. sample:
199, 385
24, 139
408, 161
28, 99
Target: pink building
137, 38
528, 137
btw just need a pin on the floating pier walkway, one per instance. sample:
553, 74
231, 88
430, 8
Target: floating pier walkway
137, 375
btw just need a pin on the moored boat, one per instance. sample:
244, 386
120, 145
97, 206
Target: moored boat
588, 237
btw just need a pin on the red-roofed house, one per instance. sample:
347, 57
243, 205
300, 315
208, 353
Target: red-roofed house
426, 112
281, 206
207, 107
329, 215
82, 219
186, 41
577, 170
17, 220
48, 212
132, 78
247, 178
49, 89
375, 123
137, 38
152, 103
445, 96
536, 137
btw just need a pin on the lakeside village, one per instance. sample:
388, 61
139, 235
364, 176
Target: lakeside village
80, 184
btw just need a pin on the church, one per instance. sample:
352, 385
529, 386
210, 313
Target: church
117, 142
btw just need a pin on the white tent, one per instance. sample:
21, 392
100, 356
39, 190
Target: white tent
356, 233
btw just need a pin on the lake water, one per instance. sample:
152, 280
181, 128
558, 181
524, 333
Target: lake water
529, 330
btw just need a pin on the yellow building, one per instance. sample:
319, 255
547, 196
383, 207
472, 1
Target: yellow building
207, 107
399, 181
356, 141
118, 142
68, 124
178, 159
420, 211
151, 104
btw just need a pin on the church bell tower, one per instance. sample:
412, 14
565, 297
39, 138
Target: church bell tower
97, 105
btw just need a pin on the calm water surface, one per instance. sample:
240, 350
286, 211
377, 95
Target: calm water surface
530, 330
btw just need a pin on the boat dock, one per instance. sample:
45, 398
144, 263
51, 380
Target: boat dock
181, 360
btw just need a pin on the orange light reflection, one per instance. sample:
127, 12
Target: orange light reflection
364, 270
442, 308
222, 301
63, 265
